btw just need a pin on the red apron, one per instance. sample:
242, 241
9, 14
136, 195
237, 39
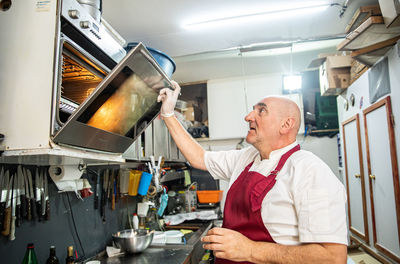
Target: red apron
242, 211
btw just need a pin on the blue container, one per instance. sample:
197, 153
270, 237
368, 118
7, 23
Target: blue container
144, 183
165, 61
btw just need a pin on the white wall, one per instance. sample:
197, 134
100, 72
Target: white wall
191, 69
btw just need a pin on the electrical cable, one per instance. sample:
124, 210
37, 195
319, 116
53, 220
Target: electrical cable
76, 230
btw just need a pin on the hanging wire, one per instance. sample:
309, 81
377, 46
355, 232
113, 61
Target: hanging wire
244, 82
291, 58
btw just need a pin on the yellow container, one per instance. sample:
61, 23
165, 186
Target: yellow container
134, 179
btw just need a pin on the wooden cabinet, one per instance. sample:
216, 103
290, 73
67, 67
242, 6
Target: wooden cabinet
390, 12
372, 178
354, 168
383, 177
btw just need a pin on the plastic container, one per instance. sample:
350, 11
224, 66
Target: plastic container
135, 220
159, 238
165, 62
209, 196
134, 179
144, 183
173, 237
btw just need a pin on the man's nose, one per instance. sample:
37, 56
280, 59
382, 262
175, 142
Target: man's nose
249, 116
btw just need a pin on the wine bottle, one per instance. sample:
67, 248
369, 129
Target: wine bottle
52, 258
30, 256
70, 256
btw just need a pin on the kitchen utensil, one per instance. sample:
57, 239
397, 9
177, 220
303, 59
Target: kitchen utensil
209, 196
46, 196
144, 183
38, 209
21, 178
142, 209
13, 207
134, 179
5, 178
31, 200
133, 241
97, 192
7, 211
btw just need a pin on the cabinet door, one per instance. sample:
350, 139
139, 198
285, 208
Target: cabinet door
357, 206
383, 177
161, 138
226, 109
173, 149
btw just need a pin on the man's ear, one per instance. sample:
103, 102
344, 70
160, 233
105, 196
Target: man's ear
287, 125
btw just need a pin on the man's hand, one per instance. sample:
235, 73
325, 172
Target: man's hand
168, 99
228, 244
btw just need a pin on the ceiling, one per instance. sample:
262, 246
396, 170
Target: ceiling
159, 23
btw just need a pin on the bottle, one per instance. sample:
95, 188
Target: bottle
70, 256
30, 256
52, 258
135, 221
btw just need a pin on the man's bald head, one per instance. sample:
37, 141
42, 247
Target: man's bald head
285, 109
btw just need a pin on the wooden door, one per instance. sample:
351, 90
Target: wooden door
355, 185
383, 177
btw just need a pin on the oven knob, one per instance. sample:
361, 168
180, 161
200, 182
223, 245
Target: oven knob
85, 24
74, 14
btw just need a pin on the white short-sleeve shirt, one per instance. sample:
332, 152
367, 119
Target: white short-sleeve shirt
307, 203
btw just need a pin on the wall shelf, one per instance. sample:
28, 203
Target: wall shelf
373, 31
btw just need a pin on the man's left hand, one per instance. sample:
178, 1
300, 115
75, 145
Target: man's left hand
228, 244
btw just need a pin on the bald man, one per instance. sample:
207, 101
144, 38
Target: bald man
284, 205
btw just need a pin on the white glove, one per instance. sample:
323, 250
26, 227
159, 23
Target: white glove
168, 98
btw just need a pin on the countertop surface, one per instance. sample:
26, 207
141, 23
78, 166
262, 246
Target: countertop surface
166, 254
153, 255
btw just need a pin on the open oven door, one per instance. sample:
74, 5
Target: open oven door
120, 108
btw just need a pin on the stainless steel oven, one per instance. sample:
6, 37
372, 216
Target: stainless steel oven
102, 98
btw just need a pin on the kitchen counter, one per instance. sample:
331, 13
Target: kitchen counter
153, 255
191, 252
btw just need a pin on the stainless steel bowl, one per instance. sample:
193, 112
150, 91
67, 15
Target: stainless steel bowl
133, 240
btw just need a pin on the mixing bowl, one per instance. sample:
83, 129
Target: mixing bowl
133, 240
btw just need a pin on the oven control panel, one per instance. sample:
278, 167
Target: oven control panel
76, 15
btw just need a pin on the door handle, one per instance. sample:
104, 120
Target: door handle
372, 176
357, 175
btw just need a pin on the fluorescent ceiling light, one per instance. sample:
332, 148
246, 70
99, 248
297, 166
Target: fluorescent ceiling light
278, 13
291, 83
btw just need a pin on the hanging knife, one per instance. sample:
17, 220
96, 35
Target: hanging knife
32, 195
28, 195
103, 195
37, 194
13, 207
110, 177
42, 194
5, 179
17, 199
7, 211
46, 195
22, 192
96, 197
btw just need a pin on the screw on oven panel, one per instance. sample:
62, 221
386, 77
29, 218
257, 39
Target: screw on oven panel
74, 14
5, 5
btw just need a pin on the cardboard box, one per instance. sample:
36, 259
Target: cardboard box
334, 73
189, 113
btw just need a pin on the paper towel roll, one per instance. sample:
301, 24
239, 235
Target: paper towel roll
65, 173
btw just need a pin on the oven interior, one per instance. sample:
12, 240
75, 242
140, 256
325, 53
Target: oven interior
79, 78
